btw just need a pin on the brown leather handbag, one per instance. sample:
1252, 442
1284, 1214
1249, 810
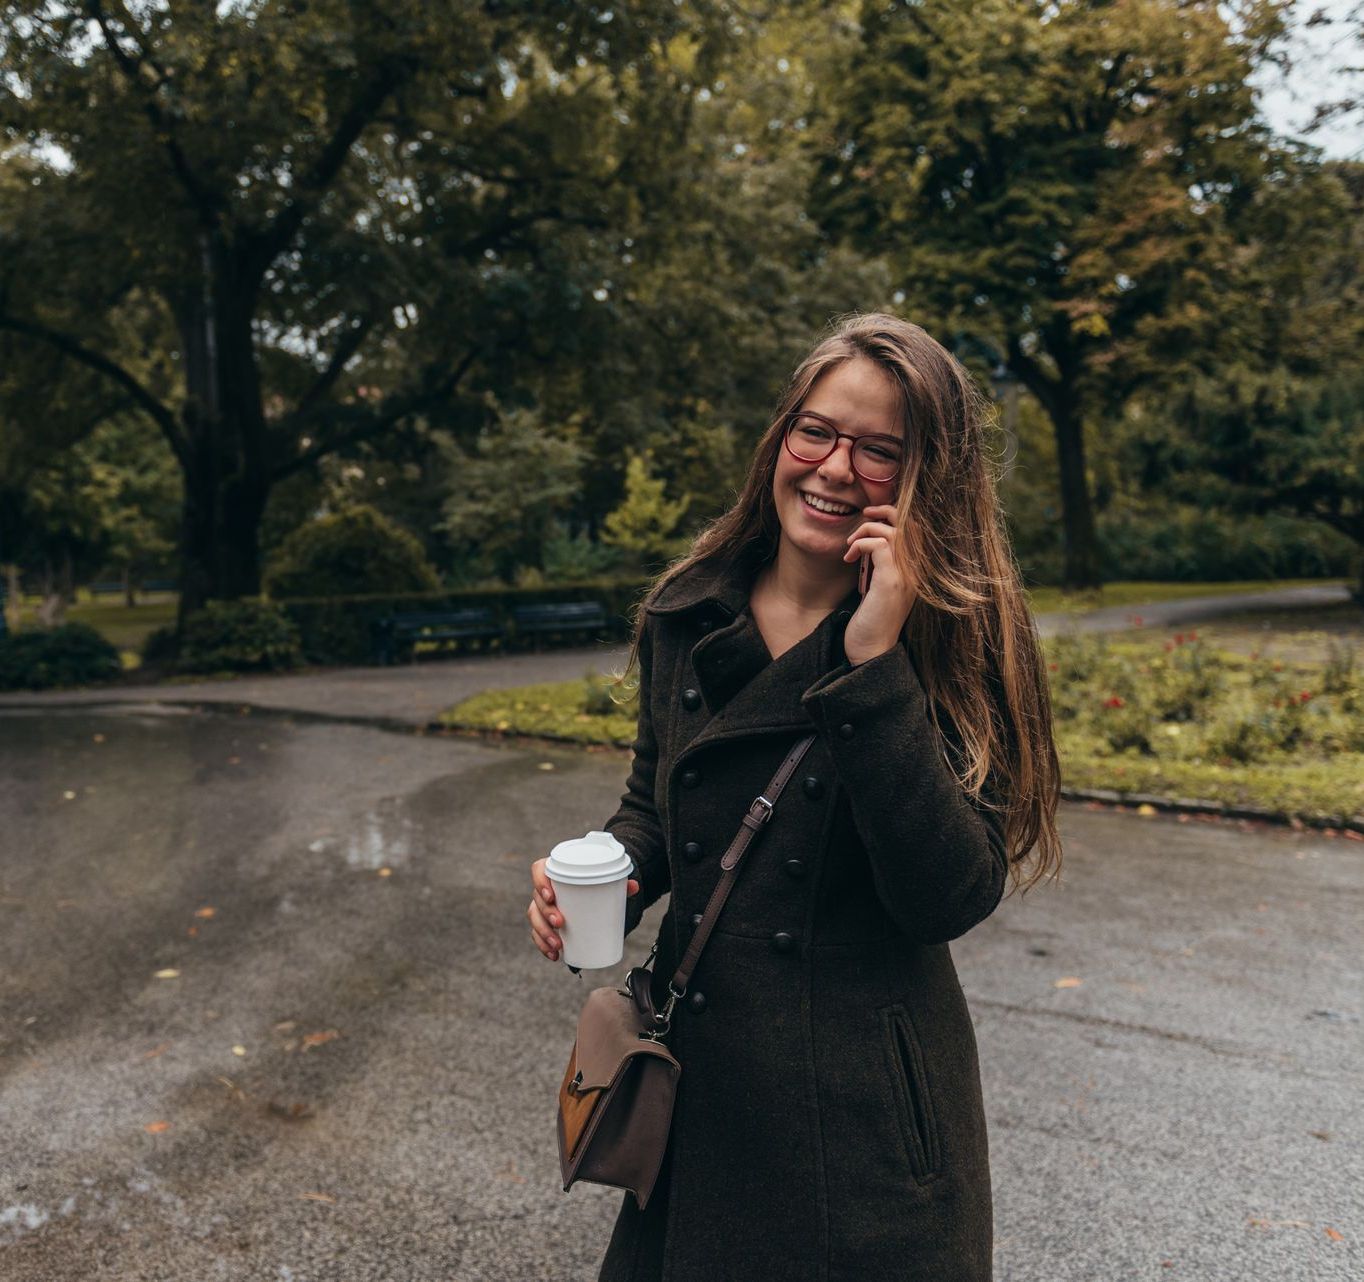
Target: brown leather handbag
616, 1100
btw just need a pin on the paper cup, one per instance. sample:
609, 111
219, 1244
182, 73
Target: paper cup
589, 875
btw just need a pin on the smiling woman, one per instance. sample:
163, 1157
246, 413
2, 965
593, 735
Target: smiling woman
828, 1122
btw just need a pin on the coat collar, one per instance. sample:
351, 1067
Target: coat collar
745, 689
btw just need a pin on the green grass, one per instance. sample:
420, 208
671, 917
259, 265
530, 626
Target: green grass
1054, 600
124, 628
1319, 778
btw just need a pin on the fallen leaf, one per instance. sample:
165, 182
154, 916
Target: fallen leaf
318, 1039
1334, 1235
234, 761
1146, 810
1069, 981
1320, 1135
99, 738
192, 932
295, 1112
546, 765
1259, 1223
156, 1050
385, 872
205, 912
169, 973
286, 1026
319, 1197
69, 795
239, 1050
156, 1128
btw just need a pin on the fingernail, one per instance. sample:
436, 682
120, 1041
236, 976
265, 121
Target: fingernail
546, 896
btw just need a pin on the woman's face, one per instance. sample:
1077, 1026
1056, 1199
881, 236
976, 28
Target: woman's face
861, 400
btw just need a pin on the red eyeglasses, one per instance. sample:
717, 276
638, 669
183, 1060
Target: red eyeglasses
811, 438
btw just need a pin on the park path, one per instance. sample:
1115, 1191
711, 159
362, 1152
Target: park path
411, 696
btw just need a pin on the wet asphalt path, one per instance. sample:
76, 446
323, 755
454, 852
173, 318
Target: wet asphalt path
1189, 1109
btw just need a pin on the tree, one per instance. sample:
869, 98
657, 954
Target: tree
1061, 180
272, 207
645, 524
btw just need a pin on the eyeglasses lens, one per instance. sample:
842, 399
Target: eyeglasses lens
812, 441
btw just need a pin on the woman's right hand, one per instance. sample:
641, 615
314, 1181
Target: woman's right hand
545, 917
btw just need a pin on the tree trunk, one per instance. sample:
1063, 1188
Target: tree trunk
1079, 542
129, 597
227, 481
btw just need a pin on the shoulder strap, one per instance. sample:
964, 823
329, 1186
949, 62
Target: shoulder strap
758, 814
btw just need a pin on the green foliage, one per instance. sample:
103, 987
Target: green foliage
355, 552
42, 658
644, 525
239, 636
349, 553
573, 558
503, 494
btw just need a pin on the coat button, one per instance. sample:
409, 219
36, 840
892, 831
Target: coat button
690, 778
692, 850
783, 941
696, 919
691, 700
697, 1002
845, 731
794, 868
812, 787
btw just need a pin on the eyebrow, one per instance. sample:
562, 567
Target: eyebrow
841, 427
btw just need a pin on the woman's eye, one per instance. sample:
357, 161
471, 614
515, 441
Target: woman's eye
814, 433
881, 452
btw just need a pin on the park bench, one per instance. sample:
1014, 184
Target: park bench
110, 587
559, 618
160, 585
396, 634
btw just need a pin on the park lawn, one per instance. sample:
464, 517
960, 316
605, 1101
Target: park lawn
124, 628
1321, 787
1056, 601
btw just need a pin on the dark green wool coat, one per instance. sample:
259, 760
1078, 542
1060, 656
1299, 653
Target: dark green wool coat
828, 1125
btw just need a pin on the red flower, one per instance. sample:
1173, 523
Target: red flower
1051, 667
1193, 636
1113, 702
1179, 638
1304, 696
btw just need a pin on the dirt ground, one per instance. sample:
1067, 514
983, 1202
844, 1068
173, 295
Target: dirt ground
1300, 636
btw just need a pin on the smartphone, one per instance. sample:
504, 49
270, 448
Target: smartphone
864, 574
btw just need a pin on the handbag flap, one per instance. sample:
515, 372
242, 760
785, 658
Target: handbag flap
609, 1030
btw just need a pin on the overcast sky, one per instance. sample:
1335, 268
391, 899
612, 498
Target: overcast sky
1320, 57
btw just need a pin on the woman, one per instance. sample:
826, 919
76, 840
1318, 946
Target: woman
828, 1123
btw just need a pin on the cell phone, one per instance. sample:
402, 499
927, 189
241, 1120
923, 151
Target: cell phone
864, 574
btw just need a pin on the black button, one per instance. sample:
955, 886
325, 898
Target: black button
845, 731
814, 788
843, 616
696, 919
691, 700
783, 941
692, 850
794, 868
697, 1001
690, 778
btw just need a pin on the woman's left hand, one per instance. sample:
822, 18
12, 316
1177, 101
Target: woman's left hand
878, 621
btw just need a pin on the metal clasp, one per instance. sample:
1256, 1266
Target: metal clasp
763, 815
664, 1017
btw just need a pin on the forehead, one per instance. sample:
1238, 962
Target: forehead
859, 397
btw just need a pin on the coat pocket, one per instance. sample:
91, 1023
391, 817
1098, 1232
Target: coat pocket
913, 1100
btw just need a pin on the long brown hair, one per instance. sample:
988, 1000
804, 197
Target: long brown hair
970, 630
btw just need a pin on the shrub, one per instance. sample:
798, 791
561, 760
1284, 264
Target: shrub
353, 553
69, 655
239, 636
160, 647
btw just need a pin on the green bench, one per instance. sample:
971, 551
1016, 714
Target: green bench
397, 634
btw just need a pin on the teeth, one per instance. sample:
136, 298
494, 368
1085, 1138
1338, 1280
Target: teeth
821, 505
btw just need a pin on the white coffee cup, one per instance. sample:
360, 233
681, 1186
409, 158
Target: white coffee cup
589, 875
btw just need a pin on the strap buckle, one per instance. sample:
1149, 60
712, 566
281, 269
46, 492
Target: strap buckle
760, 810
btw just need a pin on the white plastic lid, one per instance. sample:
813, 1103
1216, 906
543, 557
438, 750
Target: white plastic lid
588, 861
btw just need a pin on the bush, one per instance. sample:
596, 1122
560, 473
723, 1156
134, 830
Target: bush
239, 636
70, 655
160, 648
357, 552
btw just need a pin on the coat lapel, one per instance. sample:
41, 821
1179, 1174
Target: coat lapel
745, 689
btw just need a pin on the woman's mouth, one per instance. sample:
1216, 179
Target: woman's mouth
825, 510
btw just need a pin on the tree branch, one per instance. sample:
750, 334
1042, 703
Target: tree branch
393, 411
345, 349
207, 203
141, 397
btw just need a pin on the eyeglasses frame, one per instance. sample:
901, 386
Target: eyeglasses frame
792, 415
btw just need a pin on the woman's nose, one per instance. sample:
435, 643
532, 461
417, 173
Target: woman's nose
838, 466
